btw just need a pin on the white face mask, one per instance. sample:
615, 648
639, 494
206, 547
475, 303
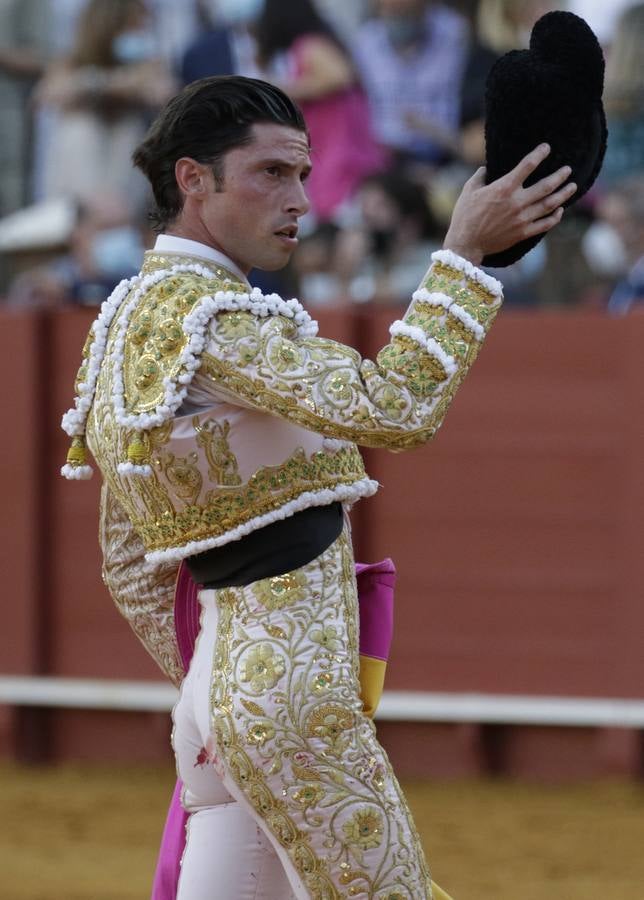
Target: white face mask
117, 252
604, 250
135, 46
234, 12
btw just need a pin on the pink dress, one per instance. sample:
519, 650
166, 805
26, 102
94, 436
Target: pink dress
343, 148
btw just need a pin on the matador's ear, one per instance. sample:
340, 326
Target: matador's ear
550, 93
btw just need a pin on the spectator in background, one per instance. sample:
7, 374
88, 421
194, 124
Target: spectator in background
383, 257
386, 257
24, 29
225, 45
624, 98
505, 25
620, 216
104, 92
63, 24
301, 52
344, 16
103, 247
465, 143
176, 23
480, 59
411, 59
60, 40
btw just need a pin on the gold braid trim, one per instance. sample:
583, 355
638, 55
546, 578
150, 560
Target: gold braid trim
397, 402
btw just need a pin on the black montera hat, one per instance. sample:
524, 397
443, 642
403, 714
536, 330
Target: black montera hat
551, 93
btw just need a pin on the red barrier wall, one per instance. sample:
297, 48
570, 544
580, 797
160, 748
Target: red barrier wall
20, 474
88, 638
516, 533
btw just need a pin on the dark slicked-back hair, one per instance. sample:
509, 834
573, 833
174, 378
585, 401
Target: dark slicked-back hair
204, 121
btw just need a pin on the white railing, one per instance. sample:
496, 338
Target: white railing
401, 706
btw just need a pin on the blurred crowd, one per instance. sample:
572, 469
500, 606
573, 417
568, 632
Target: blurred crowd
393, 93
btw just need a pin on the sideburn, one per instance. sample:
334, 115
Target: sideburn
217, 169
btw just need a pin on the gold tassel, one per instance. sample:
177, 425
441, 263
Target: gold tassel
138, 452
77, 453
76, 468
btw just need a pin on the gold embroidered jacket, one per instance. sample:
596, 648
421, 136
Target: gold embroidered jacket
212, 411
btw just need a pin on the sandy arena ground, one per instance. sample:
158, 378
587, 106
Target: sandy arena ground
92, 834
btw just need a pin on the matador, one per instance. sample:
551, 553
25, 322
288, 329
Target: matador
227, 434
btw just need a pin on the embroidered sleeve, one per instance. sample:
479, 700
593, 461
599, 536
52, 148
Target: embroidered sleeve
398, 401
144, 596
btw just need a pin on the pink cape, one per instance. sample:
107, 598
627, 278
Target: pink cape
376, 604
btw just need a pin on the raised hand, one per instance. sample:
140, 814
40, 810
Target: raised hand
489, 218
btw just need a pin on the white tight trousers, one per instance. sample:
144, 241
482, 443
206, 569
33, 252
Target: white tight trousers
290, 795
227, 855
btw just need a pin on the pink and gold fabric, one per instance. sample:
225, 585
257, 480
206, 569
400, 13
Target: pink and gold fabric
375, 583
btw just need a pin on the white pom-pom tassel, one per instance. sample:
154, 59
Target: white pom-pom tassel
76, 473
129, 469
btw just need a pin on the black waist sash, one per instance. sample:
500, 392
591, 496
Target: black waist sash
273, 550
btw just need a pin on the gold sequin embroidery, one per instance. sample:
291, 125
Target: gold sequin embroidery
311, 768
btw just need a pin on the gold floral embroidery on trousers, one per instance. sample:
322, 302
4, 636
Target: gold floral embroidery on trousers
288, 722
